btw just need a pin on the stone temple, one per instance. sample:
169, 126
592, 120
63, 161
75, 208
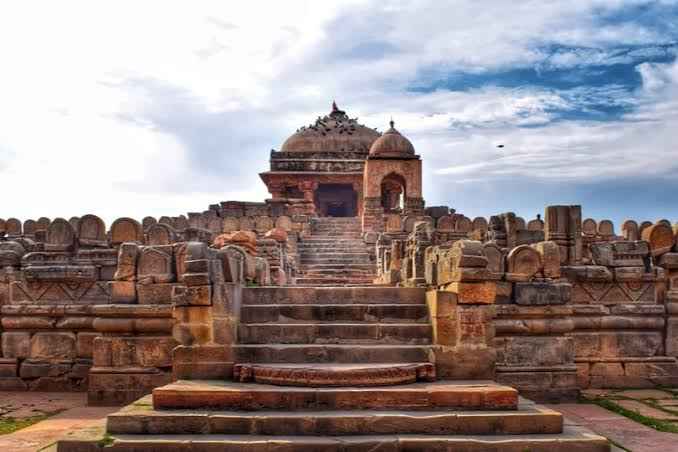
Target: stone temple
341, 314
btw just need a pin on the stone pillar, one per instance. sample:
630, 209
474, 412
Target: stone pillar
206, 314
461, 310
563, 225
373, 215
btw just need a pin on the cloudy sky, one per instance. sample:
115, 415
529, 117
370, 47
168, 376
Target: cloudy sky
141, 108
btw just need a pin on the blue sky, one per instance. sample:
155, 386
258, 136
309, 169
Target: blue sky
161, 109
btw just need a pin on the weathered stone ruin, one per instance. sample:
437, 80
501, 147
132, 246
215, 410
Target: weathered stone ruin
341, 314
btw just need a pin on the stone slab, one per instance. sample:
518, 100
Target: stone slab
419, 396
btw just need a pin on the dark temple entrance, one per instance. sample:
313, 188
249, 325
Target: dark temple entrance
336, 200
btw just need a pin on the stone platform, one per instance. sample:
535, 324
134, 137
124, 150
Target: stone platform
418, 396
142, 427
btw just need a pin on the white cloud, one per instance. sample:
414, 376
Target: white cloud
160, 108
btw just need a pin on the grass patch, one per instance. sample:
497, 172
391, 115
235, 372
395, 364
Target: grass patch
657, 424
107, 440
11, 425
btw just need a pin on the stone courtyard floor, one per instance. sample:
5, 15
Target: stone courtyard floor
49, 415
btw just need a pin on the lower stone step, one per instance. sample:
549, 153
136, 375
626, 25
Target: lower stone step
291, 313
334, 280
185, 394
573, 438
334, 333
334, 375
140, 418
330, 353
333, 295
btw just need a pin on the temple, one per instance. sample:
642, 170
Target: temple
340, 314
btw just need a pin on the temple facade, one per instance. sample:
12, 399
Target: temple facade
338, 167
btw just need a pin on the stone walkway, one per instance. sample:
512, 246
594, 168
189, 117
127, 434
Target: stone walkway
621, 430
73, 414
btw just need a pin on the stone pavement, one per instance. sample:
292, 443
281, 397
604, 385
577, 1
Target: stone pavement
73, 414
619, 429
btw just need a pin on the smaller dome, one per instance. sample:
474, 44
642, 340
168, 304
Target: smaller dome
392, 144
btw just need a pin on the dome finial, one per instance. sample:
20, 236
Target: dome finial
334, 106
392, 123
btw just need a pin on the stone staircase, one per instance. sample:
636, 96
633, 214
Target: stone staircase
335, 369
335, 254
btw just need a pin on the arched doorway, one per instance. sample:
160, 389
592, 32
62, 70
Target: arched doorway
393, 193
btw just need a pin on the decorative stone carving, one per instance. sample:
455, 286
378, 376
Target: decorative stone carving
464, 224
550, 258
495, 258
126, 230
92, 231
630, 230
147, 222
29, 227
42, 223
605, 228
620, 254
75, 222
589, 226
13, 227
660, 238
155, 265
60, 236
520, 223
523, 263
445, 223
161, 234
181, 223
480, 224
563, 226
128, 254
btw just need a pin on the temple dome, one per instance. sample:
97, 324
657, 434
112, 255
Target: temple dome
392, 144
335, 132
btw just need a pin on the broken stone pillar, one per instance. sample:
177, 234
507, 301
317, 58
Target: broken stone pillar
563, 226
462, 309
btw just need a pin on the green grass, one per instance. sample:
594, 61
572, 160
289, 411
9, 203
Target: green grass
11, 425
657, 424
107, 440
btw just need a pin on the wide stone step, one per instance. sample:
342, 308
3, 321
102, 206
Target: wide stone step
329, 255
141, 419
334, 375
382, 313
333, 281
330, 353
323, 239
333, 248
573, 439
333, 295
339, 272
195, 394
335, 260
369, 266
334, 333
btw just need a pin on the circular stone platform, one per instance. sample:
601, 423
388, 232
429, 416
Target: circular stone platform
320, 375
